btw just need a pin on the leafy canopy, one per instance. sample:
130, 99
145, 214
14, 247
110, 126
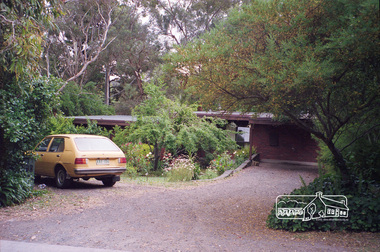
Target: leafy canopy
319, 59
22, 27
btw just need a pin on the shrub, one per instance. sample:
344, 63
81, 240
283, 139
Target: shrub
25, 107
181, 169
130, 171
15, 187
63, 125
363, 198
138, 156
222, 163
197, 171
242, 155
24, 111
120, 135
76, 100
171, 125
166, 160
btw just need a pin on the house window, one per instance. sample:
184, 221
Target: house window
273, 138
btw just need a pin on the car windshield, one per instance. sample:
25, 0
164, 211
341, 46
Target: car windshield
95, 144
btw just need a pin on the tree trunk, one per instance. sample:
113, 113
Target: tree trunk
156, 156
139, 82
340, 161
107, 86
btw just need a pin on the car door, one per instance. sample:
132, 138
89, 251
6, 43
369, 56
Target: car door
49, 158
41, 151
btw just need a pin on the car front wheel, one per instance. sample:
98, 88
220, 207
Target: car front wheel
60, 178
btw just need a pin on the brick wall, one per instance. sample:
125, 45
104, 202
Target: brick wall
284, 142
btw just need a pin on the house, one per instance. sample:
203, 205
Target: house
276, 141
326, 207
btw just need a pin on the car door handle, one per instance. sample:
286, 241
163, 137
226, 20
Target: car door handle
42, 155
58, 155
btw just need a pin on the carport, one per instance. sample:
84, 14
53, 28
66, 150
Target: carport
274, 140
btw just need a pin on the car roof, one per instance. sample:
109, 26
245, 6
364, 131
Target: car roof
76, 135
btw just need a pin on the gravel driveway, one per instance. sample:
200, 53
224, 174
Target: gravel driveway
223, 215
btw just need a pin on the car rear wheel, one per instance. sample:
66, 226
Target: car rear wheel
109, 182
60, 178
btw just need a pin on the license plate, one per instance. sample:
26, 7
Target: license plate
102, 161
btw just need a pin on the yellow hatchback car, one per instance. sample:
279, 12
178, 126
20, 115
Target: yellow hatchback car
73, 156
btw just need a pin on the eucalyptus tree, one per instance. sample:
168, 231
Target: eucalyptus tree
82, 36
133, 54
181, 21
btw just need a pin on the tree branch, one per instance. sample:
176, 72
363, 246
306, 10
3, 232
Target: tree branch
99, 49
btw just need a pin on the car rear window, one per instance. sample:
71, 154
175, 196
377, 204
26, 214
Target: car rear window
95, 144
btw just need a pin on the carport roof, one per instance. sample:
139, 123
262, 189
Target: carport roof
125, 120
251, 118
105, 120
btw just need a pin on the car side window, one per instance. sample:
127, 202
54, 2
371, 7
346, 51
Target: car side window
43, 145
57, 145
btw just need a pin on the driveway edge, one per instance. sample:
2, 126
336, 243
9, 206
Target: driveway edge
244, 165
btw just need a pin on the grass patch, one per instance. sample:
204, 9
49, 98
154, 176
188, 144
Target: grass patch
208, 174
160, 181
151, 180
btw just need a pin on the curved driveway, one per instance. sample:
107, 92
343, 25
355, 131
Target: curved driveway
224, 215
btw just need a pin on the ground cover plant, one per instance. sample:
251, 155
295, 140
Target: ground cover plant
178, 167
181, 169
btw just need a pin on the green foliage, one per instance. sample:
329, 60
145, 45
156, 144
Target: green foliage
22, 30
181, 169
197, 16
25, 102
120, 135
64, 125
138, 156
172, 126
197, 171
291, 58
362, 155
363, 202
222, 163
208, 174
15, 187
82, 101
131, 171
25, 109
362, 193
242, 155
